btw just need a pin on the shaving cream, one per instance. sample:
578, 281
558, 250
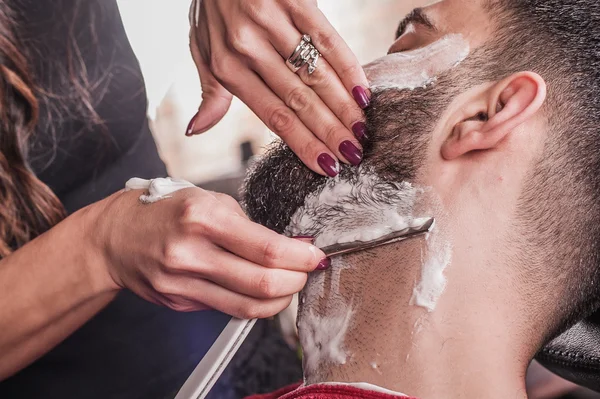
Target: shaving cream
323, 338
417, 68
359, 207
362, 208
156, 189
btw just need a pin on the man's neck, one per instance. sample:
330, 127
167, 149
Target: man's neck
462, 349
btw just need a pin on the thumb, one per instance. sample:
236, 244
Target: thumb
216, 100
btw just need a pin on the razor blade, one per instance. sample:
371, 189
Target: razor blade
401, 235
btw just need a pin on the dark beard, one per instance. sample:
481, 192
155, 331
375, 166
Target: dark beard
399, 126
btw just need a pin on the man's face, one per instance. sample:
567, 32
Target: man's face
430, 136
401, 123
414, 94
426, 25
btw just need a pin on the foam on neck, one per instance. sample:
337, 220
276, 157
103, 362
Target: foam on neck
356, 208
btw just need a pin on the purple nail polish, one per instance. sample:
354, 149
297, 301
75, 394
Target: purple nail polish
190, 129
351, 152
329, 165
360, 131
361, 97
324, 264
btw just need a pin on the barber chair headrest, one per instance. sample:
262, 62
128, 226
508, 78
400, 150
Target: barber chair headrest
575, 355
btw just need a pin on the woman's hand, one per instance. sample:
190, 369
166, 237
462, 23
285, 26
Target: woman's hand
198, 250
240, 48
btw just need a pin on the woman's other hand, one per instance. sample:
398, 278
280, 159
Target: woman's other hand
240, 48
198, 250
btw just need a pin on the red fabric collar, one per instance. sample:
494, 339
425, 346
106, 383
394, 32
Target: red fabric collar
324, 392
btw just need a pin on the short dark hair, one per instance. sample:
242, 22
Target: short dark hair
560, 208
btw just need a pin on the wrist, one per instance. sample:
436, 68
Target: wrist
92, 247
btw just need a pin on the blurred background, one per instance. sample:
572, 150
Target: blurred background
217, 159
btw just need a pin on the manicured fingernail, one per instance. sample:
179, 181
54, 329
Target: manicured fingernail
360, 131
361, 96
351, 152
324, 264
190, 129
329, 165
306, 239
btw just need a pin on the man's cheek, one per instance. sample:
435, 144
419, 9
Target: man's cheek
417, 68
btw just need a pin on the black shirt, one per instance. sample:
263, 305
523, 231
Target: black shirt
132, 349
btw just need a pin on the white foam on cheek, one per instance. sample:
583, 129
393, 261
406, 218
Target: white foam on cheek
417, 68
355, 219
157, 189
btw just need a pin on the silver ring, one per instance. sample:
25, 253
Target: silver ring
305, 53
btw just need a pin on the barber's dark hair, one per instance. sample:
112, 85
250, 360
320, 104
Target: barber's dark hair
560, 208
27, 206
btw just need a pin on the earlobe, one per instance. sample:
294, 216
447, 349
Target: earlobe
510, 103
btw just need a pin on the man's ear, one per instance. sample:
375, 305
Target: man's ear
501, 109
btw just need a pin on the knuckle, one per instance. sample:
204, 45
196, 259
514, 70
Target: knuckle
280, 119
189, 212
240, 40
321, 77
175, 257
267, 285
326, 43
159, 283
272, 254
349, 70
203, 214
222, 66
299, 99
349, 112
332, 131
311, 149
